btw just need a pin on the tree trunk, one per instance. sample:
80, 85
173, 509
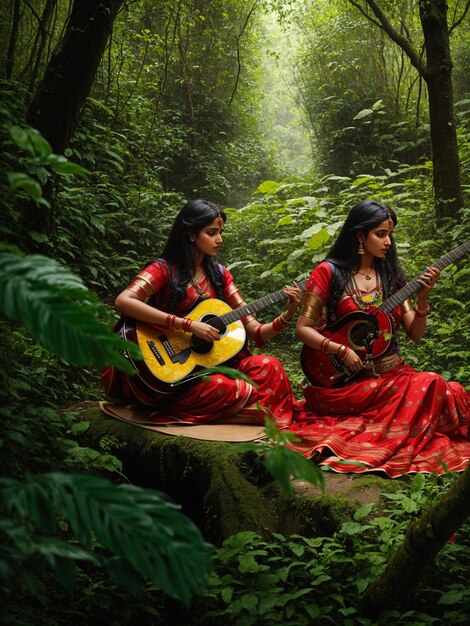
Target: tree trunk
67, 81
56, 105
425, 537
15, 21
42, 34
438, 76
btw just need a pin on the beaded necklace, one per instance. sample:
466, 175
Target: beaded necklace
368, 300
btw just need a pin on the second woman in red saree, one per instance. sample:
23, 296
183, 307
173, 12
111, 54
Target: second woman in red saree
396, 420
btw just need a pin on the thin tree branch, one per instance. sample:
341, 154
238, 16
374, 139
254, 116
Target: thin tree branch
385, 24
237, 39
365, 14
425, 537
33, 11
15, 22
461, 18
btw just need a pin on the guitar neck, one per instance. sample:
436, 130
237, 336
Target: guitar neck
254, 307
414, 286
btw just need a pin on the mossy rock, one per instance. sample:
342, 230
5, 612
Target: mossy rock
222, 491
310, 516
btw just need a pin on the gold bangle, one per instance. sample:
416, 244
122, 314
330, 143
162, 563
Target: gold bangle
312, 306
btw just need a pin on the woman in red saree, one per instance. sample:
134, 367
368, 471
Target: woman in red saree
165, 292
396, 420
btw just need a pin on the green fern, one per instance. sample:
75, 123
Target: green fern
147, 535
58, 310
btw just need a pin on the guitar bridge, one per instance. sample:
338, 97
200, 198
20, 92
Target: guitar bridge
156, 352
176, 357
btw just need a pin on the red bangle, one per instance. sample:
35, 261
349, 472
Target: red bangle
280, 324
186, 325
343, 351
324, 344
422, 314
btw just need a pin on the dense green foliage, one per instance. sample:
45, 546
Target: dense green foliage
287, 125
133, 534
305, 580
140, 528
294, 579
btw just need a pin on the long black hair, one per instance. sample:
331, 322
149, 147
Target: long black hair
179, 252
362, 218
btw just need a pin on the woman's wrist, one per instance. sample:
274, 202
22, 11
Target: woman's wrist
186, 324
178, 323
286, 317
343, 351
422, 310
280, 323
340, 349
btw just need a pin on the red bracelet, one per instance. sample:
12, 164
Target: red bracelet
276, 326
422, 314
324, 344
280, 324
343, 351
186, 325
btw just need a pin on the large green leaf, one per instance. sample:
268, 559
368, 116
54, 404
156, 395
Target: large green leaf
59, 311
283, 463
147, 534
31, 140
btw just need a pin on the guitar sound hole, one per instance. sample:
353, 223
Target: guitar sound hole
199, 345
363, 334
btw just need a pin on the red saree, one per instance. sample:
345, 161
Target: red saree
404, 421
219, 396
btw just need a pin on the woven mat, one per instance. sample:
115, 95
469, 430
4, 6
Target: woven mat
228, 430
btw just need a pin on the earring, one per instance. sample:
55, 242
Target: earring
360, 249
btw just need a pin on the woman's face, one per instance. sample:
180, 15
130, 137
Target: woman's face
209, 238
378, 241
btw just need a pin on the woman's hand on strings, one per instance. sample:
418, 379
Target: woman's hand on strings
295, 296
353, 361
205, 331
429, 279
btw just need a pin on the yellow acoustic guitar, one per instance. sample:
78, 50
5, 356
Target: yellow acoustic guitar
172, 357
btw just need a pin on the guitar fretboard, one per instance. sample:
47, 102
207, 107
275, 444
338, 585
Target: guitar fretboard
413, 286
253, 307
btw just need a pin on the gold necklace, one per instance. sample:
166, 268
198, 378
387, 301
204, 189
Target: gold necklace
368, 274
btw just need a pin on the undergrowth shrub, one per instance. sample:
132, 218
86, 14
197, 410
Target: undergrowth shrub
306, 580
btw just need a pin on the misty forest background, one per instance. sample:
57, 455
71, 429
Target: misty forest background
113, 114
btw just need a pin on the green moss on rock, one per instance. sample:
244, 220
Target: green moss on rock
311, 516
202, 476
216, 487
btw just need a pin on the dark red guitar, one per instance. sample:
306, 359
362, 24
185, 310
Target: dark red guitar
373, 331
